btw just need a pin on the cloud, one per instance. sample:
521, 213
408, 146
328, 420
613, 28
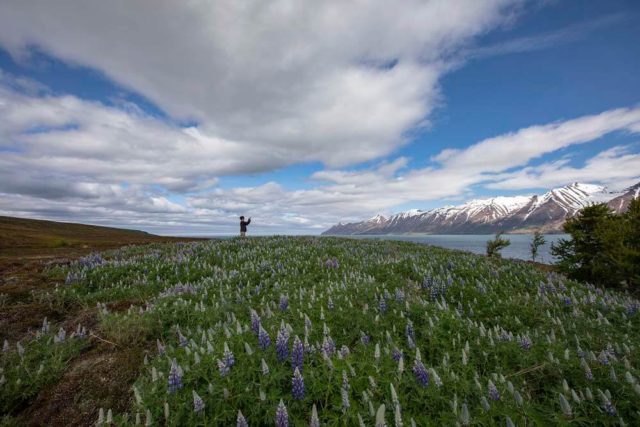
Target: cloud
514, 149
50, 137
617, 166
341, 83
353, 195
309, 80
549, 39
56, 184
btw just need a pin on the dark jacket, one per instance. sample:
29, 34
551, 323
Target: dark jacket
243, 225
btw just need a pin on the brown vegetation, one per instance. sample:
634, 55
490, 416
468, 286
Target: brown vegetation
102, 374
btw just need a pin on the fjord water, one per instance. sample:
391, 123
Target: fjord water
477, 243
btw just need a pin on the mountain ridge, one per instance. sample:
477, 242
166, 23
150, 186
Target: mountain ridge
511, 214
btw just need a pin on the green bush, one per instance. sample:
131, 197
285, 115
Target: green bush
604, 248
496, 245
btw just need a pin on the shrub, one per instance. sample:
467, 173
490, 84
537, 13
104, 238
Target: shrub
496, 245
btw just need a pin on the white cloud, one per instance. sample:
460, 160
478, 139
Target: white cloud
304, 78
550, 39
353, 195
518, 148
270, 84
617, 167
499, 162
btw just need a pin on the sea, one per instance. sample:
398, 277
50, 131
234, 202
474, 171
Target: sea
477, 243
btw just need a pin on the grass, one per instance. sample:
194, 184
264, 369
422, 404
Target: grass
70, 388
438, 337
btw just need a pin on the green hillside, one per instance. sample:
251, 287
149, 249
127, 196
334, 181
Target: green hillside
324, 331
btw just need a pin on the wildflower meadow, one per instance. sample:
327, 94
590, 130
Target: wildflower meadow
306, 331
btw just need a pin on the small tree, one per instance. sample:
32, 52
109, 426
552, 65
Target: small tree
584, 256
632, 243
496, 245
537, 241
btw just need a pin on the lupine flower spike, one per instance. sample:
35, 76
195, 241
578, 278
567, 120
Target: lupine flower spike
282, 417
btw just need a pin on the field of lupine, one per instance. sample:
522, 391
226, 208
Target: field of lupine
291, 331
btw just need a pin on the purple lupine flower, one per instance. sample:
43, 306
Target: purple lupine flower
297, 355
525, 342
587, 370
229, 360
504, 336
609, 408
399, 295
297, 385
382, 305
345, 399
198, 403
282, 344
255, 322
175, 377
426, 282
632, 308
420, 372
263, 338
183, 340
365, 339
60, 336
606, 403
223, 368
396, 354
567, 301
409, 330
494, 394
410, 343
345, 381
344, 351
603, 359
81, 332
610, 351
282, 418
332, 263
241, 421
328, 346
284, 303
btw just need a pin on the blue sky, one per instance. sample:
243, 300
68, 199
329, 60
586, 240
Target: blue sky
176, 119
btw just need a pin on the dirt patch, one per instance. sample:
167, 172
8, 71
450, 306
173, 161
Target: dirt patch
99, 378
102, 375
22, 320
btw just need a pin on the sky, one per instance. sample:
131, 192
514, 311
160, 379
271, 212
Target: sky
177, 117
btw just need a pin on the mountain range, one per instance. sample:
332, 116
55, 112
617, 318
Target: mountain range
517, 214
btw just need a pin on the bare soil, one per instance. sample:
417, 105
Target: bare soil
102, 374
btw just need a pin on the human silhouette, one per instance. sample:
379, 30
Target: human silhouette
243, 226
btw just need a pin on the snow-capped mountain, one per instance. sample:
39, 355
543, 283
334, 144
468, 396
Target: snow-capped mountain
546, 212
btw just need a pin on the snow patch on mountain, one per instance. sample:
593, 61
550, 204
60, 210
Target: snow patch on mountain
547, 211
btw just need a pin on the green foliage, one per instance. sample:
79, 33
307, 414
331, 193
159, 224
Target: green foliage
537, 241
473, 320
496, 245
603, 248
41, 363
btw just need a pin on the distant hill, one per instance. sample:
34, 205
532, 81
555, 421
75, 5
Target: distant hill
518, 214
22, 236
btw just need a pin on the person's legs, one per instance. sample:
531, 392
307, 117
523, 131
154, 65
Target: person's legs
243, 233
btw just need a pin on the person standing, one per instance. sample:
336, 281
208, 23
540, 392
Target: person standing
243, 226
